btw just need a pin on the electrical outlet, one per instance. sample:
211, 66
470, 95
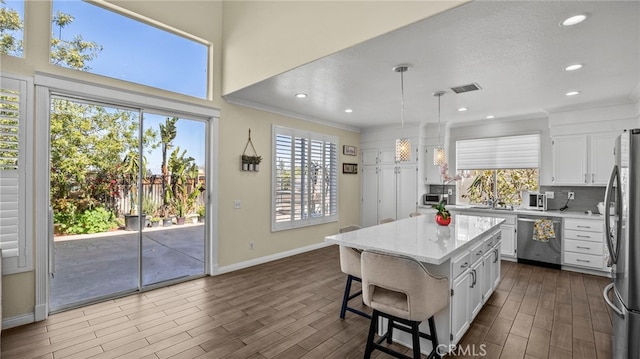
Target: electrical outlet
251, 245
237, 204
572, 195
450, 192
549, 194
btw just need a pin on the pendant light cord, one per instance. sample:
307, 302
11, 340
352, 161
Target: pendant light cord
439, 98
402, 98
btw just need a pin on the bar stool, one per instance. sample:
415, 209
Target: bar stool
403, 291
386, 220
350, 265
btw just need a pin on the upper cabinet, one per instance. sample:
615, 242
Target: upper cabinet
431, 172
583, 159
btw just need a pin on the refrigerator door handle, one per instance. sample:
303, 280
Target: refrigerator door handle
605, 293
613, 255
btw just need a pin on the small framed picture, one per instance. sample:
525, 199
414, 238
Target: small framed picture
350, 168
350, 150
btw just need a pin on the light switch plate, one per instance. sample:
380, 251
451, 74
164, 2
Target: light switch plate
237, 204
549, 194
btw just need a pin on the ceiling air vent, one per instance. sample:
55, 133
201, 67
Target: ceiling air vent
466, 88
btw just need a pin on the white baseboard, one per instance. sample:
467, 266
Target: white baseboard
508, 258
269, 258
19, 320
587, 271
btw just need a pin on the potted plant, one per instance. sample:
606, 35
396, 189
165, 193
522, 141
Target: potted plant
165, 215
256, 163
245, 162
201, 213
443, 217
155, 221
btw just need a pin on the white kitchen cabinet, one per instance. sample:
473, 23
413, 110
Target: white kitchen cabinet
388, 190
570, 160
508, 247
602, 157
583, 159
369, 157
583, 244
475, 291
369, 209
431, 172
460, 313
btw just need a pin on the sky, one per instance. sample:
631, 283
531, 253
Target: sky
136, 52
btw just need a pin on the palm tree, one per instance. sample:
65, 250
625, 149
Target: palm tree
168, 133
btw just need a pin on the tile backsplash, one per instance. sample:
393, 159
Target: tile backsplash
586, 198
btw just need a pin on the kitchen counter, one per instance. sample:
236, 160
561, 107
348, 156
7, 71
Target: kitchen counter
519, 211
421, 237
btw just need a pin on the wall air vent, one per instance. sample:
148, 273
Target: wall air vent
466, 88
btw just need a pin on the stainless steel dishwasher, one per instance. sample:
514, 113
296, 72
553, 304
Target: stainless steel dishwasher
537, 252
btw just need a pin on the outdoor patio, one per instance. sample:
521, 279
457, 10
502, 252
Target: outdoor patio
92, 266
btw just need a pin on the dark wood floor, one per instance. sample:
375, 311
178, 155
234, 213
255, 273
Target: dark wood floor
289, 309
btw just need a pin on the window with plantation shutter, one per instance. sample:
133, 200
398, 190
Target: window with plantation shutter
305, 178
13, 107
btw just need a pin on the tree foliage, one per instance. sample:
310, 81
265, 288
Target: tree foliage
10, 25
510, 182
89, 145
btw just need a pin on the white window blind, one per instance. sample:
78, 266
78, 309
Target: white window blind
304, 178
12, 170
498, 153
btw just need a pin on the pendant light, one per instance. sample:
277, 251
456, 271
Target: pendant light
439, 155
403, 145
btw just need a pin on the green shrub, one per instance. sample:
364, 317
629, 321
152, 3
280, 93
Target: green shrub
94, 220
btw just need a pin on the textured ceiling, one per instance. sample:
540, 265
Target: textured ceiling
515, 50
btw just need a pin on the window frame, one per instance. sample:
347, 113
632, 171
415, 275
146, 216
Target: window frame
23, 262
310, 221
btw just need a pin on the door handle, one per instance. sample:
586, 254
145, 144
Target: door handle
605, 294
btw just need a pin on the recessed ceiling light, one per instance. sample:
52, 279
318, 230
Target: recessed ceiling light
301, 95
348, 110
490, 117
462, 109
573, 67
572, 93
574, 20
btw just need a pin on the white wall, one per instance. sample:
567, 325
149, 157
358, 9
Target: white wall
265, 38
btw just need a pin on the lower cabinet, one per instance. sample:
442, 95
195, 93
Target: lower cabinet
583, 244
476, 274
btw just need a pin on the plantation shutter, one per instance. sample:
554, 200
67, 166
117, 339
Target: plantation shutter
12, 171
305, 178
498, 153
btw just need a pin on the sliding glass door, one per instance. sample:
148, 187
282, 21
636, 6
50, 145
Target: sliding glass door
127, 193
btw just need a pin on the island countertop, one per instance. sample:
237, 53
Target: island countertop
420, 237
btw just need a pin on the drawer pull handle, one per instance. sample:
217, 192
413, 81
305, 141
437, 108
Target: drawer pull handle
581, 247
465, 265
583, 236
584, 226
583, 260
479, 253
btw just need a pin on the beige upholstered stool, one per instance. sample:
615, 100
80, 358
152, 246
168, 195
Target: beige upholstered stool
385, 220
403, 291
350, 265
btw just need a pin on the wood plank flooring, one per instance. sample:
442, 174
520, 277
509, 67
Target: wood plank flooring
289, 309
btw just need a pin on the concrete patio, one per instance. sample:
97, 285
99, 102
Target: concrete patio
88, 267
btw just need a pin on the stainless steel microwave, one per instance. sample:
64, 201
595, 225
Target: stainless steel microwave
535, 201
433, 198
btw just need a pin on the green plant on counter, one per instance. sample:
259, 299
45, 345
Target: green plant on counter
442, 210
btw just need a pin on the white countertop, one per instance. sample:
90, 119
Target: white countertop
420, 237
527, 212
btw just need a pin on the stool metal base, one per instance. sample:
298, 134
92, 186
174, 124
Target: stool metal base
348, 296
408, 326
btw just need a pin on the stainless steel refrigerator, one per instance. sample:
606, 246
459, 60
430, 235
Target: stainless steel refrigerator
623, 239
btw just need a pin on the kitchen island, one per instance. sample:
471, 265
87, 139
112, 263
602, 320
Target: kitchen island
467, 252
